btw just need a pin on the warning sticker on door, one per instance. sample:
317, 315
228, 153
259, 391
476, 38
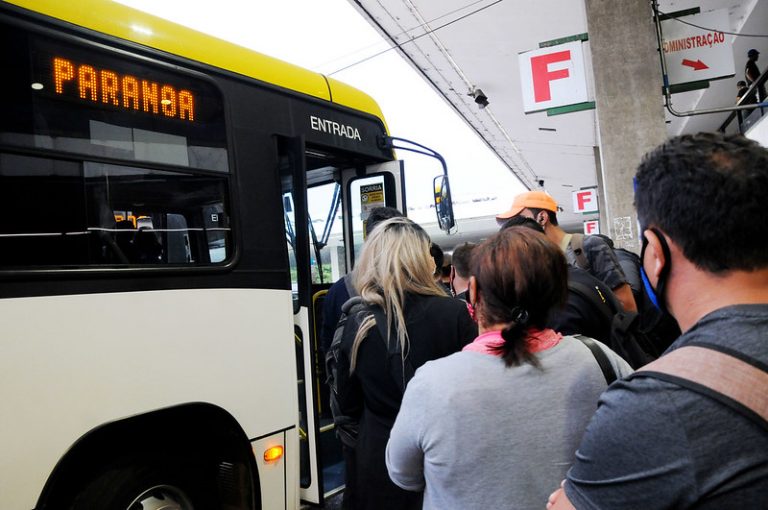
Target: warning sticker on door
371, 197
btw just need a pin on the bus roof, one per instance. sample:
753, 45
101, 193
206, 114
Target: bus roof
120, 21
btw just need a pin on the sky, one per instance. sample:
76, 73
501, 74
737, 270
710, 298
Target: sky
329, 35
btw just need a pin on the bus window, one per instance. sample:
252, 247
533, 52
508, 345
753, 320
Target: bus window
60, 213
326, 235
178, 247
216, 231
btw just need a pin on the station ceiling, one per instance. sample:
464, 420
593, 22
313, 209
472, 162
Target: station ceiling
461, 45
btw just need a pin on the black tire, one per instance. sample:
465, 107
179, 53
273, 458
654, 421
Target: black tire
172, 483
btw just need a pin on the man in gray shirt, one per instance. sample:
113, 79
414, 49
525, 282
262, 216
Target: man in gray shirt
656, 443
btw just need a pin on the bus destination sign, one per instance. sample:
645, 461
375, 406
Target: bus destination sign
90, 83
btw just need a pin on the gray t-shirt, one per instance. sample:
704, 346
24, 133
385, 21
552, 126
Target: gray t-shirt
481, 435
603, 263
654, 445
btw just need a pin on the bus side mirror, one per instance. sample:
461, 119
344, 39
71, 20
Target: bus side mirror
443, 203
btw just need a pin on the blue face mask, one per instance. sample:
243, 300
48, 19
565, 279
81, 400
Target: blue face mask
649, 290
656, 295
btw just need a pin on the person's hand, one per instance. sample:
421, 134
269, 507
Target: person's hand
558, 500
553, 498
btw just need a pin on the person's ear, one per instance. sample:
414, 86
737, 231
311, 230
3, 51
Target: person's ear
542, 218
654, 259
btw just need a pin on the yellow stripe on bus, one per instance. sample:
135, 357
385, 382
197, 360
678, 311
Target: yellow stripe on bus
120, 21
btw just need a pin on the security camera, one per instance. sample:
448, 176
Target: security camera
480, 98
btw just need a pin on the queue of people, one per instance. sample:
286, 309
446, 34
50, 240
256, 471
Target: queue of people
492, 398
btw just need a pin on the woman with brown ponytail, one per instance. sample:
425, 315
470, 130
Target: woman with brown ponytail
497, 425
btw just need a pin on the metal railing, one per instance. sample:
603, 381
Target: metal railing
666, 87
747, 117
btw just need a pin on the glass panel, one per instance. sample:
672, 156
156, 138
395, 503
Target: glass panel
290, 235
366, 193
305, 469
62, 213
75, 98
325, 224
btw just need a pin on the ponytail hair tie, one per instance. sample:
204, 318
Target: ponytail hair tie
520, 316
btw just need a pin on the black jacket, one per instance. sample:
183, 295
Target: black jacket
437, 326
580, 315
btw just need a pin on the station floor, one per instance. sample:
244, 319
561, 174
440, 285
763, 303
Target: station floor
332, 503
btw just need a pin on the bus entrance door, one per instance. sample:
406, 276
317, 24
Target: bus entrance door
293, 176
326, 204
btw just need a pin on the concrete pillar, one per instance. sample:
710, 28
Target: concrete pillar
630, 116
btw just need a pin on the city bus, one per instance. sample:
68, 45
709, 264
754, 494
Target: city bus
173, 207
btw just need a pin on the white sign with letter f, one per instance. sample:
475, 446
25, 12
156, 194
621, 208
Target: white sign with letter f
585, 201
553, 76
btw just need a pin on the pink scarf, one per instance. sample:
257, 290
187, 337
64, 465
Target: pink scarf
538, 340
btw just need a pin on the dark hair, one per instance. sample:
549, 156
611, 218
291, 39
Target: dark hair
552, 214
521, 276
523, 221
461, 258
707, 193
378, 215
437, 254
741, 83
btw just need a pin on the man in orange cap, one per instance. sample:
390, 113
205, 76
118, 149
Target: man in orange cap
592, 253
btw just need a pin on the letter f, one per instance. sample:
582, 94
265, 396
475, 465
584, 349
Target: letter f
542, 76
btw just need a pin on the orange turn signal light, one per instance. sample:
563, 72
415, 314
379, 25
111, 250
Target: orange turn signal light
273, 454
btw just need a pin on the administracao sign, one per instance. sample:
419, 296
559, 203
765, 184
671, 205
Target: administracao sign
700, 52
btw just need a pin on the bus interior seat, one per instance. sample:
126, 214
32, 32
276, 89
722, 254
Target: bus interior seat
124, 232
147, 247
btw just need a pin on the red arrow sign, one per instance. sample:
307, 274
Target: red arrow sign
697, 65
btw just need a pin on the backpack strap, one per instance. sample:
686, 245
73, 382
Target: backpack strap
577, 244
602, 359
349, 303
727, 376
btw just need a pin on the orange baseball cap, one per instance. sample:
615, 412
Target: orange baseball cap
529, 200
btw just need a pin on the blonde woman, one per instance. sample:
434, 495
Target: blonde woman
408, 321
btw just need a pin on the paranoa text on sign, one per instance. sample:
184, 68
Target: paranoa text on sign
124, 91
334, 128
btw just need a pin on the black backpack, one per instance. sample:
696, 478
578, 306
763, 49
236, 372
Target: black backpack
346, 426
402, 370
655, 331
627, 338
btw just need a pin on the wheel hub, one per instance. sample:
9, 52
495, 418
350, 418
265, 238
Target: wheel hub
161, 497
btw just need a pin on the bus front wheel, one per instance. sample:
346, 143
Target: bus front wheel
144, 484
